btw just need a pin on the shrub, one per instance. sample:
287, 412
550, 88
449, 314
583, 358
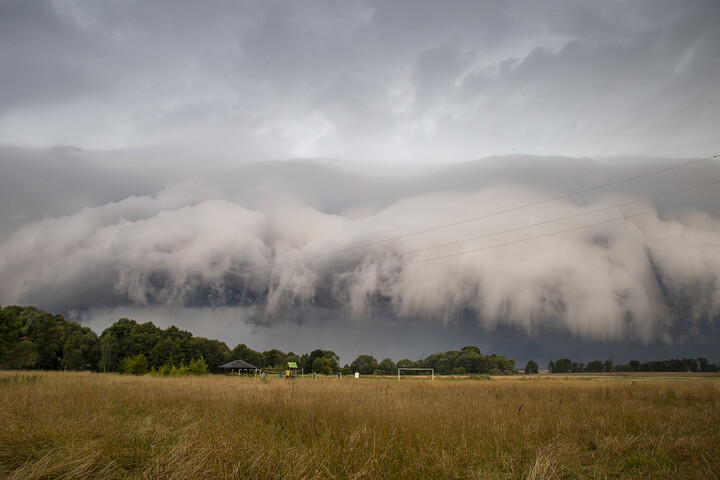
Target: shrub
137, 365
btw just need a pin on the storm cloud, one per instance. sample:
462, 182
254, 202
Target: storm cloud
390, 169
396, 82
277, 243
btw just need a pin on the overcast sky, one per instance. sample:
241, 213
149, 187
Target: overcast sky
180, 161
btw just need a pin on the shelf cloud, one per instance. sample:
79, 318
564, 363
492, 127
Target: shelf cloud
376, 166
265, 238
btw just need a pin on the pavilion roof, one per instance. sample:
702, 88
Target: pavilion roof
240, 364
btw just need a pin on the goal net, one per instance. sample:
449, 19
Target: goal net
431, 370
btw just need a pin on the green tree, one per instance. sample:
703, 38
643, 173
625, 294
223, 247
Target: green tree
137, 365
470, 359
322, 366
406, 363
21, 355
45, 331
531, 367
197, 367
705, 366
608, 365
10, 326
635, 365
109, 349
365, 364
214, 352
331, 357
78, 349
387, 367
242, 352
447, 361
596, 366
274, 358
563, 365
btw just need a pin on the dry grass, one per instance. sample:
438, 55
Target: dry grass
78, 426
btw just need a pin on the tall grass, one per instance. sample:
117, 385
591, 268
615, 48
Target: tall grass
81, 425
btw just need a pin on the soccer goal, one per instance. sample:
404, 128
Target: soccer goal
432, 371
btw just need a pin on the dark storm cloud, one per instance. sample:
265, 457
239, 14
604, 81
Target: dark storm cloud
165, 200
247, 238
383, 80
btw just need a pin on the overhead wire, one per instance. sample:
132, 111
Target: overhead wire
624, 218
480, 217
533, 225
498, 245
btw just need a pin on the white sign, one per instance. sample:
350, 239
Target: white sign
357, 374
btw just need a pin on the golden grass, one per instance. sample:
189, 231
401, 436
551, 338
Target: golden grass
81, 425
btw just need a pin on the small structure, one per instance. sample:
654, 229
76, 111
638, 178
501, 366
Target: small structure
240, 365
291, 369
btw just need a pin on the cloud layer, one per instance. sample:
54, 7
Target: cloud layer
388, 81
261, 238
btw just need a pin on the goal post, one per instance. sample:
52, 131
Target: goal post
431, 370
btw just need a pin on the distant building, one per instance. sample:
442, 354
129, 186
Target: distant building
240, 365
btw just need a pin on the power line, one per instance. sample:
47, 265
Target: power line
546, 222
481, 217
604, 222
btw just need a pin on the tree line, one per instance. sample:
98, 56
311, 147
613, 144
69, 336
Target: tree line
31, 338
565, 365
467, 360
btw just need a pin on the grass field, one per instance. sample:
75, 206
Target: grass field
82, 425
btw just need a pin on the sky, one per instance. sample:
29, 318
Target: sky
393, 178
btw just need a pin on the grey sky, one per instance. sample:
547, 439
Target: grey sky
160, 157
400, 82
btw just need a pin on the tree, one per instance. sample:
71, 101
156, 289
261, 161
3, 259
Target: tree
165, 352
10, 326
609, 365
214, 352
242, 352
197, 367
365, 364
322, 365
470, 359
563, 365
45, 332
137, 365
596, 366
692, 364
447, 361
531, 367
22, 355
387, 367
274, 358
406, 363
472, 349
78, 346
705, 366
109, 347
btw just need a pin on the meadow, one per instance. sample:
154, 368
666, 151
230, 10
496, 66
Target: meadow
103, 426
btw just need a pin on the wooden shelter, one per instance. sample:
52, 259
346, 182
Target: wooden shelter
240, 365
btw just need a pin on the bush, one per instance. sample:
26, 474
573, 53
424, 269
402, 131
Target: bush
137, 365
196, 366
